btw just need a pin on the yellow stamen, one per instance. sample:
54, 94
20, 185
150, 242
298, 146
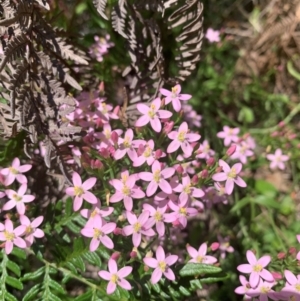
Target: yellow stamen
13, 170
78, 191
17, 198
114, 278
181, 136
126, 190
187, 189
157, 216
9, 235
137, 227
182, 211
156, 176
97, 233
162, 265
232, 173
257, 268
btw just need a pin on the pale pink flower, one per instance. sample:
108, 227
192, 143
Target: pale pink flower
204, 151
229, 135
126, 145
244, 288
106, 134
98, 230
11, 236
293, 283
182, 138
174, 96
256, 268
15, 171
230, 175
116, 277
277, 159
152, 114
157, 217
18, 199
263, 290
157, 178
187, 191
224, 246
200, 255
137, 227
212, 35
96, 210
161, 265
32, 229
126, 190
180, 213
242, 152
80, 191
191, 116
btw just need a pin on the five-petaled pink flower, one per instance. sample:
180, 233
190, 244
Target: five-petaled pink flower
98, 230
32, 229
116, 277
126, 146
161, 265
213, 35
200, 255
157, 178
182, 138
126, 190
11, 236
174, 96
80, 191
245, 286
277, 159
229, 135
256, 268
230, 175
18, 199
293, 282
152, 114
263, 290
15, 172
137, 227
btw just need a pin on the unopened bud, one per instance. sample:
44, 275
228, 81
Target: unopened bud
114, 137
158, 153
215, 246
101, 87
281, 124
163, 102
140, 149
179, 169
195, 179
292, 136
204, 174
104, 152
281, 255
116, 110
275, 134
210, 161
111, 150
118, 231
115, 256
292, 251
219, 169
168, 127
231, 150
276, 275
96, 164
133, 254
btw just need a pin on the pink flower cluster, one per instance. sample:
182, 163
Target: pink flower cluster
100, 47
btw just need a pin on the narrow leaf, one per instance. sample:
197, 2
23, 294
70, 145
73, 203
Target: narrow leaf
14, 282
193, 269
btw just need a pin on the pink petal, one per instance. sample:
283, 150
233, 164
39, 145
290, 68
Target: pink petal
165, 92
160, 254
240, 182
171, 259
108, 228
142, 121
70, 191
254, 279
169, 274
238, 167
156, 124
168, 172
107, 242
117, 197
28, 198
290, 277
143, 217
156, 275
90, 197
131, 217
151, 262
144, 109
146, 176
164, 114
15, 163
89, 183
94, 244
124, 284
9, 205
185, 97
173, 146
9, 225
251, 257
224, 165
192, 251
245, 268
164, 186
265, 274
76, 179
22, 189
176, 104
24, 168
77, 203
128, 230
8, 247
202, 249
136, 239
104, 275
264, 260
20, 208
37, 221
111, 287
19, 242
124, 272
151, 189
38, 233
220, 176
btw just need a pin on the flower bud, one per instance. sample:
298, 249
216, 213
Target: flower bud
115, 256
281, 255
111, 150
179, 169
158, 153
114, 137
204, 174
103, 152
274, 134
133, 253
116, 110
163, 102
281, 124
168, 127
140, 149
149, 254
101, 88
231, 150
96, 164
215, 246
210, 161
219, 169
195, 179
292, 251
118, 231
276, 275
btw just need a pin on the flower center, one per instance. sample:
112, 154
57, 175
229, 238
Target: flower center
29, 229
97, 233
158, 216
126, 190
126, 142
297, 287
162, 265
107, 134
94, 213
104, 108
257, 268
147, 152
232, 173
181, 136
187, 189
174, 92
137, 227
156, 176
78, 191
124, 178
151, 112
199, 258
9, 235
182, 211
114, 278
17, 198
13, 170
265, 289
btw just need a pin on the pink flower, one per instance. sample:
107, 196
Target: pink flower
126, 190
18, 199
80, 191
32, 229
11, 236
242, 152
98, 231
230, 175
174, 96
161, 265
224, 246
182, 138
256, 268
157, 217
229, 135
137, 227
200, 255
204, 151
152, 114
277, 159
126, 146
157, 178
116, 277
244, 288
263, 291
15, 172
292, 284
212, 35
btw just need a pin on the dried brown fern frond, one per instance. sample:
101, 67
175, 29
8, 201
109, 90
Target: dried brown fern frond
35, 76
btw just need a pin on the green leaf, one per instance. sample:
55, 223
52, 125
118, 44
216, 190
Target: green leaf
71, 267
79, 263
92, 258
215, 279
13, 267
9, 297
292, 70
85, 297
240, 204
34, 275
266, 202
195, 284
14, 282
194, 269
31, 294
265, 188
156, 288
173, 292
51, 297
69, 206
184, 291
19, 253
56, 286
